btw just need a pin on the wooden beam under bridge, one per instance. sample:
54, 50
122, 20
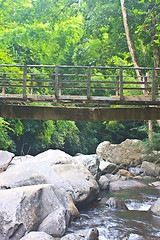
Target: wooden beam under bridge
89, 114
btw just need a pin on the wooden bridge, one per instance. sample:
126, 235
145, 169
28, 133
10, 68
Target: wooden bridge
81, 88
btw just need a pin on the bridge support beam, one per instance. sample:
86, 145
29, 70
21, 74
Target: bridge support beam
78, 113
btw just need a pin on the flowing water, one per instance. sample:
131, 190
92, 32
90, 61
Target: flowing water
133, 224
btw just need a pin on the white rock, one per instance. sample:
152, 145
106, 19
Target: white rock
23, 209
5, 159
53, 167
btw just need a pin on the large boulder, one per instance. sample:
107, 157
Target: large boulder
155, 208
136, 171
125, 185
107, 167
37, 236
53, 167
91, 162
155, 184
104, 183
5, 159
116, 203
26, 209
126, 154
150, 169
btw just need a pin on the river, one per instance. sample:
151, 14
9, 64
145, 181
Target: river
133, 224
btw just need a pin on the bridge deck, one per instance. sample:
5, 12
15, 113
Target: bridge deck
85, 85
94, 100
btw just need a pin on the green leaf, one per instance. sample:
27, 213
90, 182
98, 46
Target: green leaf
135, 11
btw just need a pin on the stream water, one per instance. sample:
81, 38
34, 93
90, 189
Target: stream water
133, 224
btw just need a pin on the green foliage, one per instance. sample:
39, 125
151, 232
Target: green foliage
154, 144
91, 134
63, 33
32, 137
116, 132
6, 142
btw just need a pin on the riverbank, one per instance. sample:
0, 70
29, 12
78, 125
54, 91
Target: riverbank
48, 191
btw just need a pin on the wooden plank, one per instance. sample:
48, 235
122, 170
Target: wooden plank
64, 99
121, 82
95, 75
117, 85
43, 74
31, 88
56, 83
11, 73
106, 82
103, 88
24, 80
72, 66
73, 81
3, 88
73, 87
42, 86
136, 88
40, 80
153, 84
136, 83
78, 113
74, 74
11, 79
89, 84
11, 86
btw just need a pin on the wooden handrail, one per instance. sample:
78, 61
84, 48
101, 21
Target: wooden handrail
85, 78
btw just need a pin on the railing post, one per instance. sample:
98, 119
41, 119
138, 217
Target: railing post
60, 84
56, 83
153, 85
24, 80
3, 88
121, 82
89, 83
117, 85
31, 89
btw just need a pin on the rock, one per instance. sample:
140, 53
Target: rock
74, 211
94, 234
91, 162
155, 184
138, 177
104, 183
125, 173
150, 169
126, 184
86, 234
155, 208
23, 209
57, 168
107, 167
5, 159
126, 154
19, 159
112, 177
54, 224
116, 203
37, 236
136, 171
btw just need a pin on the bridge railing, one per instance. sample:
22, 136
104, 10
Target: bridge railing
85, 84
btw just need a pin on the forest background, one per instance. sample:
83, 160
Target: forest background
81, 32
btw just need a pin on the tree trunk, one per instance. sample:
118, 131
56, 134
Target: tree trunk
133, 54
129, 38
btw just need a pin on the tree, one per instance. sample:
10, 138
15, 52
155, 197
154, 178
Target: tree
129, 37
6, 143
132, 48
